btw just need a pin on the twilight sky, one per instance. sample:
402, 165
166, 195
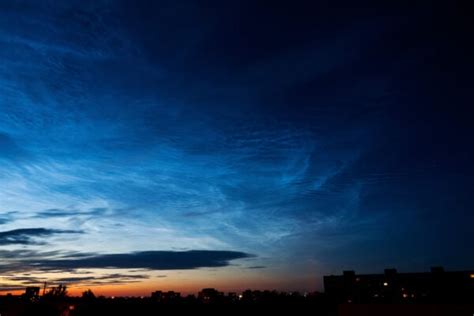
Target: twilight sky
177, 145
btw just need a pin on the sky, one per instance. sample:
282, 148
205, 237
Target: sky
177, 145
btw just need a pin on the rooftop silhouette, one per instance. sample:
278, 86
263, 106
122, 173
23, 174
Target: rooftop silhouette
436, 286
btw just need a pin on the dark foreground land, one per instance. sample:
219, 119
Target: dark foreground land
146, 306
434, 293
77, 307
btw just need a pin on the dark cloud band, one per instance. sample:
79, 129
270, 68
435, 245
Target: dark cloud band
153, 260
26, 236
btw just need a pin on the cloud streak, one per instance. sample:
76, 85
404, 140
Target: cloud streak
53, 213
29, 236
152, 260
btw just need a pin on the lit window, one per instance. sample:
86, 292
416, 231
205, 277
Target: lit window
385, 284
472, 276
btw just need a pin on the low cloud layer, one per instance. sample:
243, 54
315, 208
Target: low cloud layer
88, 279
21, 262
29, 236
153, 260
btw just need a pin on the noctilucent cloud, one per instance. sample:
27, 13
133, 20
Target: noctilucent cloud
177, 145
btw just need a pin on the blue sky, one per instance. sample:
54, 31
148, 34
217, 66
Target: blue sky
287, 141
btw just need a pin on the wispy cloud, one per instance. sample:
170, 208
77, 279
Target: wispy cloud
29, 236
51, 213
76, 279
7, 217
9, 149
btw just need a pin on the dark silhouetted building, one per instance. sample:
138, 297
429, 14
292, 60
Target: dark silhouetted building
210, 295
437, 286
166, 297
31, 293
232, 297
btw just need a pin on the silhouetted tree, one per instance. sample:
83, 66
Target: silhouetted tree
59, 291
88, 295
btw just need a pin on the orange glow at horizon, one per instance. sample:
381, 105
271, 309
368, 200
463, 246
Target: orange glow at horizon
188, 284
